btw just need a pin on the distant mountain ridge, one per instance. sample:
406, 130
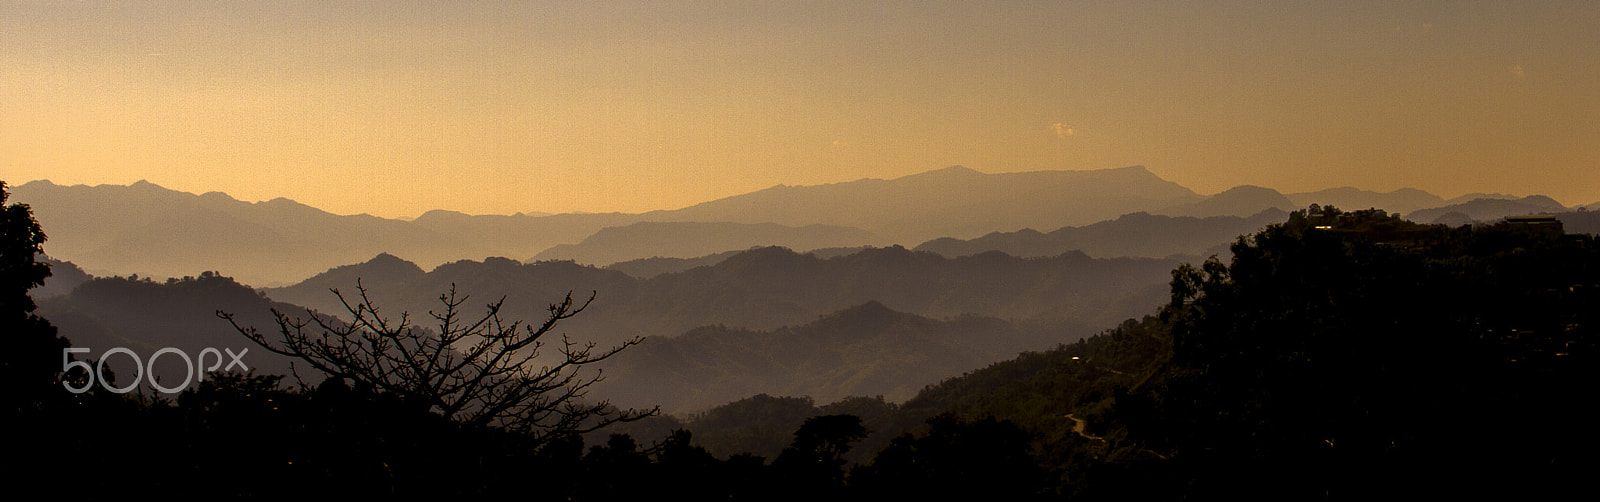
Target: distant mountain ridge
1402, 201
646, 268
1462, 199
950, 202
149, 230
865, 350
1237, 201
764, 289
650, 239
1487, 210
146, 229
1137, 234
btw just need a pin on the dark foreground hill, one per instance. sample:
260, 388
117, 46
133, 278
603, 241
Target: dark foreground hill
1354, 361
1339, 355
147, 316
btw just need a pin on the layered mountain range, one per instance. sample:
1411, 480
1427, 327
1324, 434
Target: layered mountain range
882, 321
761, 289
153, 231
870, 287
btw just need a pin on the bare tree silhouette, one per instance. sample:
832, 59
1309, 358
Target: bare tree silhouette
481, 371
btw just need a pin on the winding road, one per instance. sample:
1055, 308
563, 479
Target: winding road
1079, 426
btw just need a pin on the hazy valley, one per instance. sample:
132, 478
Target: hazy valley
756, 311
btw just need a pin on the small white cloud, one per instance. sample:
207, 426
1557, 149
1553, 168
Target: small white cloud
1516, 71
1063, 130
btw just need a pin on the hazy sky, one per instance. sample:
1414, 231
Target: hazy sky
394, 108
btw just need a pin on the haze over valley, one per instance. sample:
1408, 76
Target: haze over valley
795, 250
716, 274
156, 232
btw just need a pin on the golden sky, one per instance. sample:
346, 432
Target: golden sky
394, 108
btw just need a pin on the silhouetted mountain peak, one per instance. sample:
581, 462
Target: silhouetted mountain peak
440, 214
35, 184
1487, 209
386, 264
952, 172
1479, 195
1246, 190
500, 261
871, 313
1074, 255
146, 188
766, 257
1413, 191
1242, 200
872, 318
1135, 169
501, 265
1544, 201
1247, 194
769, 252
64, 276
383, 258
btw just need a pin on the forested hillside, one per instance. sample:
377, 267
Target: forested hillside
1350, 355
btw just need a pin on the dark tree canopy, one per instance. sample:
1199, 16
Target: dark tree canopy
984, 459
824, 439
1341, 349
31, 364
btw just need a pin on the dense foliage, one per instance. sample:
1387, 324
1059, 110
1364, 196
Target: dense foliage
1351, 354
1344, 355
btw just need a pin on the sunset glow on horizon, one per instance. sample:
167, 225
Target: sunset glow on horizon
396, 108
